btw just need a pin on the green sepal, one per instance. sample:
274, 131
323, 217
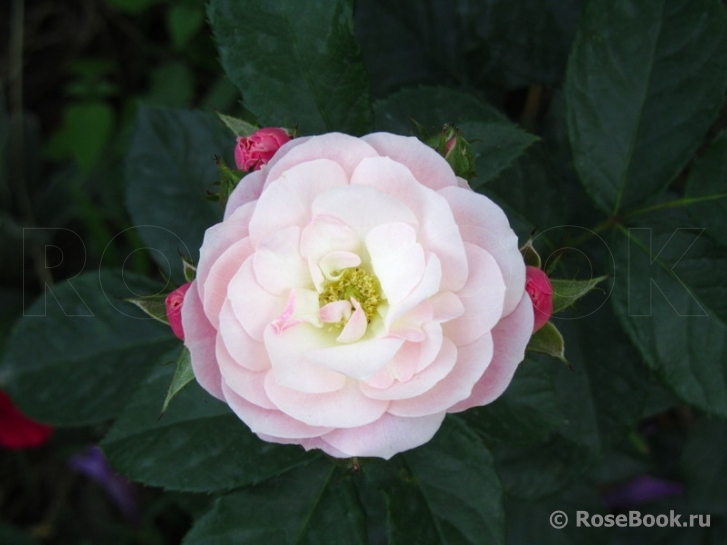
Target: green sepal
548, 340
229, 178
567, 292
238, 126
183, 375
451, 145
189, 268
154, 305
531, 255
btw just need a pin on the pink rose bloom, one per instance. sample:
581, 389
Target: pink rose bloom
541, 293
356, 292
254, 151
174, 309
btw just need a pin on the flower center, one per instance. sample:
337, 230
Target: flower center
357, 283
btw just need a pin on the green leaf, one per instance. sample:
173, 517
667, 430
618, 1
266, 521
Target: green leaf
296, 64
707, 190
605, 368
239, 127
567, 292
86, 131
645, 81
495, 142
445, 491
170, 166
680, 327
525, 413
153, 305
490, 44
183, 375
78, 353
183, 22
548, 340
530, 193
197, 445
704, 460
529, 523
312, 504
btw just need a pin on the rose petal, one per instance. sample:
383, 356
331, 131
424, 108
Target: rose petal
427, 166
420, 382
291, 367
482, 296
220, 275
359, 360
248, 384
472, 360
277, 263
218, 238
247, 190
428, 286
362, 208
438, 231
342, 149
484, 224
265, 421
386, 436
200, 338
396, 258
254, 307
510, 337
346, 407
326, 234
356, 325
246, 352
287, 201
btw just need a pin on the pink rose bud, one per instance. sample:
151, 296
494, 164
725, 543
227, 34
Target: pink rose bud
254, 151
174, 309
540, 291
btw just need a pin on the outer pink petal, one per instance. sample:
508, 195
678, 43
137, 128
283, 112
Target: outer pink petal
342, 149
247, 190
242, 348
510, 338
385, 437
218, 238
254, 307
362, 208
484, 224
482, 297
219, 277
199, 337
427, 165
396, 258
287, 202
287, 351
269, 422
421, 382
308, 444
245, 383
472, 361
438, 231
344, 408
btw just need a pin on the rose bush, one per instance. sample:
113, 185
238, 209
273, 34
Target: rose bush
355, 292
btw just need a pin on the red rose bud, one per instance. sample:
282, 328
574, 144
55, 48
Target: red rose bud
450, 144
174, 309
540, 291
254, 151
17, 431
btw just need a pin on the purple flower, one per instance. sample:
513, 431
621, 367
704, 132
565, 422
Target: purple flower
639, 490
121, 492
